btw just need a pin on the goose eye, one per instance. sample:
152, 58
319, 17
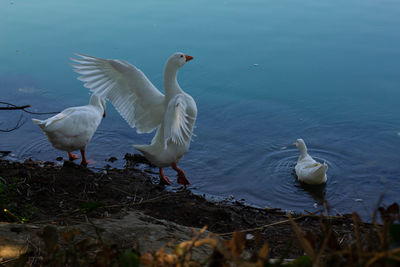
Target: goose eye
181, 55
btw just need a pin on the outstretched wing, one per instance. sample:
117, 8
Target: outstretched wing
178, 125
138, 101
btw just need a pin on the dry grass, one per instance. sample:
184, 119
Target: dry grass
377, 247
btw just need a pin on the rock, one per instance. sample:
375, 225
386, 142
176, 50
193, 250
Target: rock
112, 159
148, 233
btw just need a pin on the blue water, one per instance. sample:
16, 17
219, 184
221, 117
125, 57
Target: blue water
264, 73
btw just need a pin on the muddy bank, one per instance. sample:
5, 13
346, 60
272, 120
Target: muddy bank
43, 193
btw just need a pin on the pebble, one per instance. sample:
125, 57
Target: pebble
249, 237
112, 159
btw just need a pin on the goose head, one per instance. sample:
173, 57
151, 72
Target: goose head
178, 60
301, 145
98, 101
171, 68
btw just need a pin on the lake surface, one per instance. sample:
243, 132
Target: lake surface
264, 73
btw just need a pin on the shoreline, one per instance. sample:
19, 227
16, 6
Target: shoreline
68, 195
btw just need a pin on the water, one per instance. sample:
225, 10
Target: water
265, 73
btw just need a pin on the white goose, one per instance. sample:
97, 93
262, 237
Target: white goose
72, 128
143, 106
307, 169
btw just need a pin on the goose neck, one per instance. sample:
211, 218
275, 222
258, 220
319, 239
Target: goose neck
303, 151
97, 102
171, 85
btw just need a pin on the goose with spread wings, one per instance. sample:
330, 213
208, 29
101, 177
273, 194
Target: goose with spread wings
143, 106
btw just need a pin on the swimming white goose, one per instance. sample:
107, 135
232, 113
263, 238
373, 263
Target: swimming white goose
143, 106
72, 128
307, 169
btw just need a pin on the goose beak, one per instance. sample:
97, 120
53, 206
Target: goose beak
188, 58
104, 114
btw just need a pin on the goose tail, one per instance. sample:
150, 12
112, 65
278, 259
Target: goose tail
38, 122
141, 148
321, 172
324, 166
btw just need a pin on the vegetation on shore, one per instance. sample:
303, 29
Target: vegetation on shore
77, 193
380, 247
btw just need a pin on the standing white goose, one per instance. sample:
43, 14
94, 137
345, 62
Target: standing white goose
72, 128
143, 106
307, 169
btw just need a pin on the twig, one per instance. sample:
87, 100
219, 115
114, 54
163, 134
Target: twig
7, 261
137, 203
188, 245
122, 191
383, 255
356, 220
324, 244
265, 226
307, 247
381, 236
194, 239
313, 213
14, 107
10, 106
282, 222
18, 125
3, 180
378, 203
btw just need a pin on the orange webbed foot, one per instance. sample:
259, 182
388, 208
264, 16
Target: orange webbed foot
164, 179
181, 175
86, 162
72, 157
182, 179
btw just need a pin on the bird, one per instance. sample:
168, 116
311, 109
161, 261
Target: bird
307, 169
143, 106
72, 128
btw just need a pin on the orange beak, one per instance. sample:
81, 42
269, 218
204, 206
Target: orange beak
188, 58
104, 114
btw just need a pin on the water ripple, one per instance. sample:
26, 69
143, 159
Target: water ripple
283, 187
37, 147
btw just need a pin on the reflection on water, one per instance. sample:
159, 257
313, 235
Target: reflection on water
317, 192
264, 74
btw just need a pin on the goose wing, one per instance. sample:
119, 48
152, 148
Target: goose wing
178, 124
136, 99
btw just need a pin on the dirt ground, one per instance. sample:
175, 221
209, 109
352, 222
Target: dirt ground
66, 195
